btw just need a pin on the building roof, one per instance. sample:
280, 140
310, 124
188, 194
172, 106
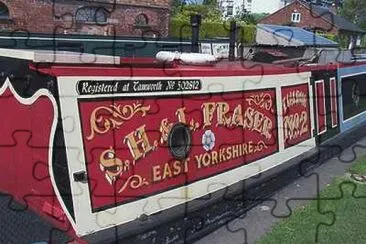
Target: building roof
326, 14
293, 36
338, 21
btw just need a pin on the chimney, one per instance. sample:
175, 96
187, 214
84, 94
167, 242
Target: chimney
195, 23
232, 41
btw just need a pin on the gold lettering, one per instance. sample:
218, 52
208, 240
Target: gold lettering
214, 157
126, 166
140, 146
105, 118
198, 160
245, 148
250, 147
112, 165
208, 112
164, 130
181, 115
167, 171
222, 110
186, 165
237, 118
222, 155
248, 122
267, 127
156, 173
177, 168
229, 153
206, 159
257, 121
295, 125
235, 151
258, 118
304, 127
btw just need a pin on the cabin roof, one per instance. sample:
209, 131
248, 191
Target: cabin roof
70, 64
223, 69
49, 56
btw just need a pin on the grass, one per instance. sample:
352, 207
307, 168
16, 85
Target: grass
359, 167
339, 216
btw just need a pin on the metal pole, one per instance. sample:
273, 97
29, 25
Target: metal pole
195, 23
232, 41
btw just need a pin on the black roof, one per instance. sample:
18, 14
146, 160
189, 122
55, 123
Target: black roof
337, 20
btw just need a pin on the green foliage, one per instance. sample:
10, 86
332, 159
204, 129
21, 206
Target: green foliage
259, 16
359, 167
213, 25
344, 198
247, 34
363, 42
207, 12
210, 2
212, 29
329, 36
343, 40
176, 6
302, 226
355, 11
249, 18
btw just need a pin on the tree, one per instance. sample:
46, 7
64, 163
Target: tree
177, 5
249, 18
355, 11
210, 2
208, 13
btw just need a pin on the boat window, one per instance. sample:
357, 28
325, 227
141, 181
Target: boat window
93, 15
141, 20
4, 11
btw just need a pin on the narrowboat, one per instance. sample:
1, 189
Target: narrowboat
165, 149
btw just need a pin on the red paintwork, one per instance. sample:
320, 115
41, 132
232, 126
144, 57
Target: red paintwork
333, 102
104, 194
25, 133
24, 145
296, 114
223, 68
321, 117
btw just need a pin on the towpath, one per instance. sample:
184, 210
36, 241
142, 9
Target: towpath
260, 219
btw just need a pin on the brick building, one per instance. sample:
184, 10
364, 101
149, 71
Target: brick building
98, 17
316, 18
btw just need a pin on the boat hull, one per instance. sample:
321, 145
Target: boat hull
146, 153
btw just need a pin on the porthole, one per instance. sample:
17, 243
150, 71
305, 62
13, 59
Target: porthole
179, 141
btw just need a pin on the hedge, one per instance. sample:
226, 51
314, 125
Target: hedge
246, 34
182, 29
331, 37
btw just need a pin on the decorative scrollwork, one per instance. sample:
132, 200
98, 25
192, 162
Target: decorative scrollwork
134, 182
259, 147
105, 118
263, 100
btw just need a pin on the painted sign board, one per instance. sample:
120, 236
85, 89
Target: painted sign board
296, 114
126, 141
